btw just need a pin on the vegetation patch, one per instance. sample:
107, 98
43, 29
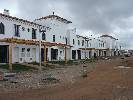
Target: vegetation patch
17, 67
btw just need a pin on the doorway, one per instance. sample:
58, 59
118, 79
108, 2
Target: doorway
4, 54
42, 53
16, 54
90, 54
54, 54
79, 54
74, 54
105, 53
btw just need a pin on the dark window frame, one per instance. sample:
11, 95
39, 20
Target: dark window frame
2, 28
73, 41
78, 42
43, 36
17, 31
53, 38
83, 43
34, 33
66, 40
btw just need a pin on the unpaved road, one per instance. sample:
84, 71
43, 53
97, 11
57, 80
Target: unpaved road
106, 82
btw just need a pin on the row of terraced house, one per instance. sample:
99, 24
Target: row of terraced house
50, 39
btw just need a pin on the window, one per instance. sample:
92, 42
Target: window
82, 42
66, 40
87, 44
28, 30
73, 42
17, 30
43, 36
103, 44
99, 44
90, 44
23, 52
23, 29
60, 52
78, 42
33, 33
53, 38
28, 52
2, 28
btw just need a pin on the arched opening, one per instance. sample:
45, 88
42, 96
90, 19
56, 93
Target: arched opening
2, 28
43, 36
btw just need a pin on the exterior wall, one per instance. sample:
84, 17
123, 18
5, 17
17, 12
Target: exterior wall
25, 56
58, 29
62, 32
10, 30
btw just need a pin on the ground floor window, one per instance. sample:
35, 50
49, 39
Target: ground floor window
23, 52
28, 52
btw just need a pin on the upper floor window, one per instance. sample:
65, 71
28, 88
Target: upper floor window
43, 36
23, 29
87, 44
90, 44
2, 28
66, 40
78, 42
17, 33
28, 30
73, 41
99, 44
53, 38
82, 42
33, 33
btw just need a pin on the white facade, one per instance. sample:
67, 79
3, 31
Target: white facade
52, 29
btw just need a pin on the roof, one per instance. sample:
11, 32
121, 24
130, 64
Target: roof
56, 17
109, 36
22, 20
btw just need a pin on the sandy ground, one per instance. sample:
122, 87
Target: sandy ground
109, 80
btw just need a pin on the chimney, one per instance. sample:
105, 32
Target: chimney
6, 12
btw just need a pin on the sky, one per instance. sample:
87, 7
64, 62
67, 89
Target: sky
89, 17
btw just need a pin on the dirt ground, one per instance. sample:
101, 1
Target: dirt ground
110, 80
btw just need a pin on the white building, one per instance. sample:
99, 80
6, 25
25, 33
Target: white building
20, 40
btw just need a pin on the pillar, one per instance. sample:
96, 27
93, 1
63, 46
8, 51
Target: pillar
65, 55
49, 54
45, 55
10, 57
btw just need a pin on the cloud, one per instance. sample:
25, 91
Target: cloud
32, 9
97, 16
100, 15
